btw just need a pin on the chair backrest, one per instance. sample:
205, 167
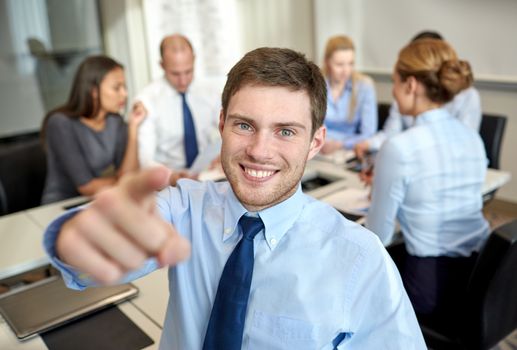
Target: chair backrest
492, 293
22, 175
383, 111
492, 131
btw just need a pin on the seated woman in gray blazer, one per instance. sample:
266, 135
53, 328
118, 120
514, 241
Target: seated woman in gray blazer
89, 145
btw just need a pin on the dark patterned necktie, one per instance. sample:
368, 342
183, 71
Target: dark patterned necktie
189, 133
226, 323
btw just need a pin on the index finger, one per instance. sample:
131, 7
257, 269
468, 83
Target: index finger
144, 183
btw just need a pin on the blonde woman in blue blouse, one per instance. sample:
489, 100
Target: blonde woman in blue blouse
351, 100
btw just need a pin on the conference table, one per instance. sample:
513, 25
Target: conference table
21, 249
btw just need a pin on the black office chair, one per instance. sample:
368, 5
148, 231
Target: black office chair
383, 111
491, 300
492, 132
22, 175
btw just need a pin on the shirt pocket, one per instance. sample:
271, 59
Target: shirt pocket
280, 332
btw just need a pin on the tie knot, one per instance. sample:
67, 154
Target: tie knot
250, 226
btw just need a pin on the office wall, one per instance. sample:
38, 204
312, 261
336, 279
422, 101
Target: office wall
284, 23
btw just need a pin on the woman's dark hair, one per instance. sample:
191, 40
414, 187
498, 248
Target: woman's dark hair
88, 78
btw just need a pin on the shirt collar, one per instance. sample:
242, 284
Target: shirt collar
186, 93
176, 92
277, 219
432, 116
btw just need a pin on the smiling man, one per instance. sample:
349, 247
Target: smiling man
271, 268
267, 143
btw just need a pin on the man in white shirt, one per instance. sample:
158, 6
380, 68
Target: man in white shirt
169, 136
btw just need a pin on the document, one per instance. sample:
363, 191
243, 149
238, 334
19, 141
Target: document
339, 157
216, 174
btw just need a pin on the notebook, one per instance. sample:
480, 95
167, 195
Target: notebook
49, 303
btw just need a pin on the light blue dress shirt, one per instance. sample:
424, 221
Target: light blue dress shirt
466, 106
364, 123
430, 178
317, 276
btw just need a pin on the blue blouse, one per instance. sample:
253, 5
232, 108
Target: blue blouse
429, 178
364, 123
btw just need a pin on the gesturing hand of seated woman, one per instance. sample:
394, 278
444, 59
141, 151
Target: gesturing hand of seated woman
137, 115
121, 229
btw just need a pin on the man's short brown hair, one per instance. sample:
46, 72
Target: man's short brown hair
279, 67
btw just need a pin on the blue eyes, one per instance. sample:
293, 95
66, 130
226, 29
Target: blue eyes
282, 132
244, 126
286, 132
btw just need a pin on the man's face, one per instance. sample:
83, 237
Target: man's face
266, 142
179, 69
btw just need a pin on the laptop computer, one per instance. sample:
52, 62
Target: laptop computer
47, 304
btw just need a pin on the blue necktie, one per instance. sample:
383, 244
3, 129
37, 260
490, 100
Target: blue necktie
226, 323
189, 133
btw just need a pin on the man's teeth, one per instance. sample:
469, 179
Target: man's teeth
259, 173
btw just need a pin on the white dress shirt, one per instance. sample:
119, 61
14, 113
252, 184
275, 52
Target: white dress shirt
430, 178
161, 133
466, 106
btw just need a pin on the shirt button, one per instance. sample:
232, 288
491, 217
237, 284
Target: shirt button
273, 241
227, 231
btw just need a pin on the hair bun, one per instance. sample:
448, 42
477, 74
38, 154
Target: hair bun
455, 76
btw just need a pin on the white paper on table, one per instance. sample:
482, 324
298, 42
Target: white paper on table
350, 200
216, 174
204, 158
339, 157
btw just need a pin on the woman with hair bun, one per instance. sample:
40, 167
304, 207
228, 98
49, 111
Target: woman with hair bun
465, 106
430, 178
